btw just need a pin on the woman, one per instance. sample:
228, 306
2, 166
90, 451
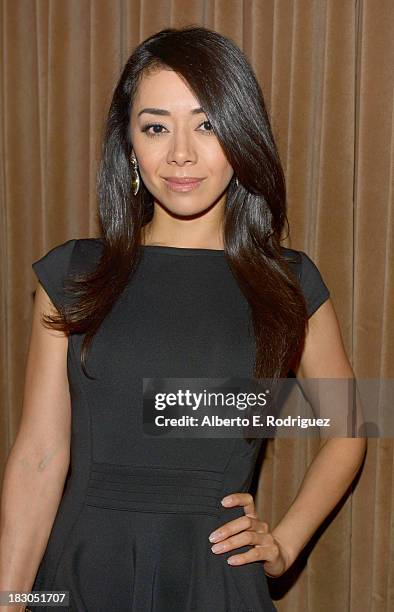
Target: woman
188, 279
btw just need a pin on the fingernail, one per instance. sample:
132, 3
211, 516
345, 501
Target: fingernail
215, 535
217, 548
226, 500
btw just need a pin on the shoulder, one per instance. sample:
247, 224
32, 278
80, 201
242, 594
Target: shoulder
294, 259
70, 254
67, 249
302, 263
73, 255
88, 245
86, 253
309, 276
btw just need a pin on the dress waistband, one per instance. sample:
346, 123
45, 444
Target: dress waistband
155, 489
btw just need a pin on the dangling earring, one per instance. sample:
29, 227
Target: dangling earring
236, 182
135, 179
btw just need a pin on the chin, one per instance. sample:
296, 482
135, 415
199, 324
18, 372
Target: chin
183, 204
186, 211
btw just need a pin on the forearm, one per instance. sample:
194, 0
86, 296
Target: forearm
326, 480
32, 489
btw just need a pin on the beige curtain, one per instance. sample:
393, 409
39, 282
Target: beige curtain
327, 72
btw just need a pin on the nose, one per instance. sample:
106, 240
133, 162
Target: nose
181, 148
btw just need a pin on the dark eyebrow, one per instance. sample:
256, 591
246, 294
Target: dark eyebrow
161, 111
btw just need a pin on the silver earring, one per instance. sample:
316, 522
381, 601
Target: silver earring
135, 178
236, 182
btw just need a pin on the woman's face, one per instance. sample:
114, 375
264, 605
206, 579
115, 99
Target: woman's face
171, 139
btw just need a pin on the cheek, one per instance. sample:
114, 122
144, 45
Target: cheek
148, 153
148, 164
224, 171
218, 164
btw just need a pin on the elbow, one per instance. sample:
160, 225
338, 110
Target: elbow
41, 460
357, 451
363, 448
352, 451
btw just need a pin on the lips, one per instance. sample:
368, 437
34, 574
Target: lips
183, 183
185, 180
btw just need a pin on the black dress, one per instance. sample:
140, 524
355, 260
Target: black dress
131, 532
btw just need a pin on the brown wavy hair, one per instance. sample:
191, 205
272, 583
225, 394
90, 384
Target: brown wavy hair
223, 81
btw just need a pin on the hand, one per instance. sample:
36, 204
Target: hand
249, 529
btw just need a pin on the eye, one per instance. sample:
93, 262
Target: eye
158, 126
147, 127
206, 122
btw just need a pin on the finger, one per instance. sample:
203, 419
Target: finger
244, 538
267, 552
236, 525
240, 499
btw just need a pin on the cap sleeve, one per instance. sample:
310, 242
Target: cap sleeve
52, 269
312, 284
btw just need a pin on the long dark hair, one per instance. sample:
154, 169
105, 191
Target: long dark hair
223, 81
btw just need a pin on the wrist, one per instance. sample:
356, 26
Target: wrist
288, 552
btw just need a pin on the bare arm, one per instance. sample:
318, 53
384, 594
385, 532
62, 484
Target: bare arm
38, 461
338, 460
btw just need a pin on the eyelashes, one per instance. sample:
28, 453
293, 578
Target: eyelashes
147, 127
